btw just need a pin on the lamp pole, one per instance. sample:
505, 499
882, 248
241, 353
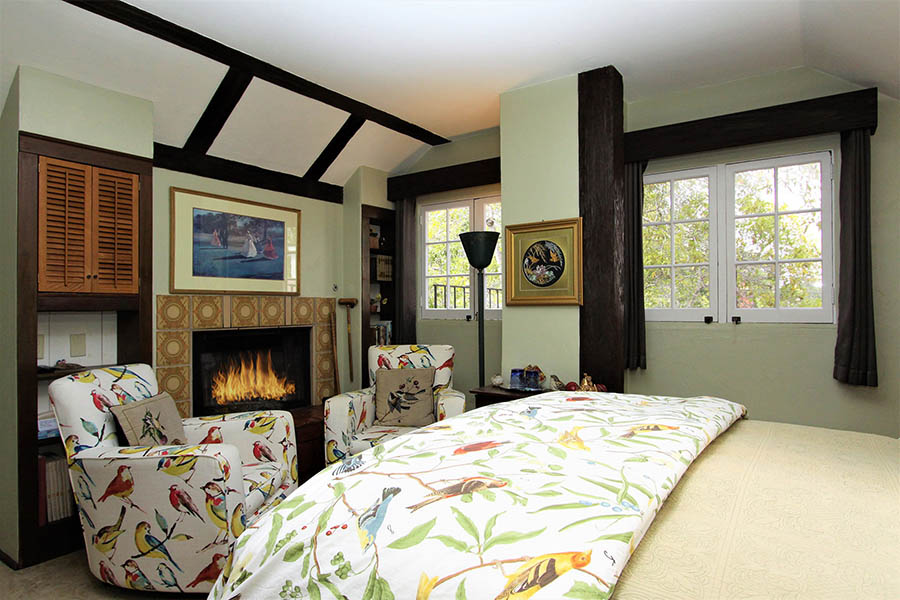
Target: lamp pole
480, 327
479, 247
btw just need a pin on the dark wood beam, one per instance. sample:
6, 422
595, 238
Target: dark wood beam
601, 203
334, 147
227, 95
150, 24
479, 172
178, 159
853, 110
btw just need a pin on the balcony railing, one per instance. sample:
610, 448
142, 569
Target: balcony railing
457, 296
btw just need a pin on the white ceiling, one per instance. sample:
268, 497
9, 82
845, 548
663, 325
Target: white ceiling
440, 64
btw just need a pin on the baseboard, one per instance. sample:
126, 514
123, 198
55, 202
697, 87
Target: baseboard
8, 561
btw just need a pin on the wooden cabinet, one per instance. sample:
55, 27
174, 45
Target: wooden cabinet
87, 229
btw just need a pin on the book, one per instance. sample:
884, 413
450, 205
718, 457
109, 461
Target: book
42, 490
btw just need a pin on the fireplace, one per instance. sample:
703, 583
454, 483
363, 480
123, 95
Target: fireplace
251, 369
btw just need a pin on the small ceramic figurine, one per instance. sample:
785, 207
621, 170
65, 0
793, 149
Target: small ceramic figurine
497, 380
587, 384
556, 384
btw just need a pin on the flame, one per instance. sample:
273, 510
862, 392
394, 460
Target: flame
251, 379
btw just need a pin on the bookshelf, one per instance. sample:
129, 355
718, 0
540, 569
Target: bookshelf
378, 289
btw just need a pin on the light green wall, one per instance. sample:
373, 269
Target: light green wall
9, 496
539, 178
468, 147
351, 221
71, 110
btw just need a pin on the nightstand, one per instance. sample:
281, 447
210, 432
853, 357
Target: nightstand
489, 394
309, 428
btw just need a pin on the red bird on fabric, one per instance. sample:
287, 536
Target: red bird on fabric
121, 485
383, 362
448, 364
107, 575
181, 501
477, 446
213, 436
262, 452
210, 572
100, 401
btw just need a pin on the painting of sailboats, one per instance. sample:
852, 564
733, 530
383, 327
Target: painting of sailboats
237, 246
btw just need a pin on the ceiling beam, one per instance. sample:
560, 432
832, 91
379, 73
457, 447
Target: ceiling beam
334, 147
470, 174
227, 95
150, 24
185, 161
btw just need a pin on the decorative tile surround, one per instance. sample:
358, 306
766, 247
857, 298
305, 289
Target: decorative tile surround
178, 316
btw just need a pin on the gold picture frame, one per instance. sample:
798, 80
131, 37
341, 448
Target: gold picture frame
543, 263
232, 246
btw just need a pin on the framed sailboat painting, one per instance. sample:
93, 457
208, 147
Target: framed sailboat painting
228, 245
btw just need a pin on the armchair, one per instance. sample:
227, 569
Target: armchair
165, 518
350, 417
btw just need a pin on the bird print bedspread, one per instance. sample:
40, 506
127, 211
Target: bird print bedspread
542, 497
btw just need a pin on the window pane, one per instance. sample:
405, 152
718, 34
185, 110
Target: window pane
692, 242
691, 198
436, 259
657, 288
754, 192
657, 245
800, 285
800, 187
692, 287
495, 267
459, 264
656, 202
458, 292
492, 220
437, 292
754, 238
800, 235
436, 221
459, 221
493, 291
755, 286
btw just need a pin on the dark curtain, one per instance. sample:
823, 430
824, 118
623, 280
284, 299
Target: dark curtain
854, 352
405, 273
635, 333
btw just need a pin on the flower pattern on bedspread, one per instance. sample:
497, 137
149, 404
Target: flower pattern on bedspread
553, 491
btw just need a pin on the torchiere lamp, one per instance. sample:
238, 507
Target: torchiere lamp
479, 247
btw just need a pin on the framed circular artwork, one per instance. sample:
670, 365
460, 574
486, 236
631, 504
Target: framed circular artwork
543, 262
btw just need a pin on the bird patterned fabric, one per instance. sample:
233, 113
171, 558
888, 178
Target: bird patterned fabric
349, 417
543, 497
165, 518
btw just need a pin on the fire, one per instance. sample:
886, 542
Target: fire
251, 379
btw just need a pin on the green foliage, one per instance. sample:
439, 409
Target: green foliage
414, 537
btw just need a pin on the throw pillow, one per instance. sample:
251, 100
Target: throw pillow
404, 398
152, 421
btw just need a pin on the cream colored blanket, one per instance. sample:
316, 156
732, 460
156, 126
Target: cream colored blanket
771, 510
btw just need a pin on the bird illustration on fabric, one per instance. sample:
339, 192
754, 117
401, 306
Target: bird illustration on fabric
469, 485
181, 501
403, 362
105, 538
101, 402
135, 578
84, 491
647, 429
539, 572
362, 417
295, 472
477, 446
210, 572
262, 452
215, 505
448, 364
121, 486
531, 412
332, 452
261, 425
107, 575
148, 544
167, 576
348, 465
123, 396
178, 465
351, 413
384, 362
152, 428
83, 377
369, 522
238, 522
213, 436
424, 350
123, 373
570, 439
73, 447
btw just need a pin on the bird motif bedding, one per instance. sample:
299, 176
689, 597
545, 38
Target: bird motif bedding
546, 496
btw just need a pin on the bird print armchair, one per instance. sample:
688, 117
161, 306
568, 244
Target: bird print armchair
350, 418
165, 518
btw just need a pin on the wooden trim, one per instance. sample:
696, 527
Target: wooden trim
184, 161
190, 40
8, 561
84, 154
471, 174
228, 94
601, 182
61, 302
405, 271
334, 147
830, 114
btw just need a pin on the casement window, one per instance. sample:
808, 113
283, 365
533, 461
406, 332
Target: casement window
749, 240
448, 282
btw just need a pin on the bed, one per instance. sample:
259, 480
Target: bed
546, 495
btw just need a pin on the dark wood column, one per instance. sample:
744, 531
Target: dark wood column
601, 163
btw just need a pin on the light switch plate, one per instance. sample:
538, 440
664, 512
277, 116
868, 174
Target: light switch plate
40, 345
77, 344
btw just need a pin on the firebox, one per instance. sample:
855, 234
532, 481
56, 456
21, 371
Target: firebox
251, 369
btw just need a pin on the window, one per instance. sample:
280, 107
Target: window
750, 240
448, 279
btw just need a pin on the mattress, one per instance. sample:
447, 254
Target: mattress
771, 510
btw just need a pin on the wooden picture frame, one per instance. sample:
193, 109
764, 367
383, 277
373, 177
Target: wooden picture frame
224, 245
543, 263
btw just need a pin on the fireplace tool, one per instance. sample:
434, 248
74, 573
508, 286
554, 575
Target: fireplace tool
349, 303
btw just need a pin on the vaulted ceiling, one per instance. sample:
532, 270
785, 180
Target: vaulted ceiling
440, 65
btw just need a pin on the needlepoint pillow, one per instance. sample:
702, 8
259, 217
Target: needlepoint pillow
404, 397
152, 421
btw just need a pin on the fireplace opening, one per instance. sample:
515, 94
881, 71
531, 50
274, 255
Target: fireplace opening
251, 369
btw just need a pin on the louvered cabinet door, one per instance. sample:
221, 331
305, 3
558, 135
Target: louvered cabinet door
114, 232
64, 221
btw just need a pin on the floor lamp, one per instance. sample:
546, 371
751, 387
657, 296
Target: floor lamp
479, 247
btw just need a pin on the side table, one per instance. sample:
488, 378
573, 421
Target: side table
489, 394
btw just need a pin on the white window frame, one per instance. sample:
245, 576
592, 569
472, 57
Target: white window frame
476, 221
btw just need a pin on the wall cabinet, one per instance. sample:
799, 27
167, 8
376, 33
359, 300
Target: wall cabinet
88, 229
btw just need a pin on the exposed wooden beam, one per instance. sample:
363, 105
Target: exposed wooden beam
479, 172
227, 95
150, 24
334, 147
852, 110
178, 159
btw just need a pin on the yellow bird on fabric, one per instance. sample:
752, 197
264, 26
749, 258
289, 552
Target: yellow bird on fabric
414, 349
215, 505
650, 427
178, 465
540, 572
261, 425
148, 545
238, 523
105, 538
571, 440
332, 452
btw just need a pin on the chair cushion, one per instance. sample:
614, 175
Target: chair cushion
403, 397
377, 434
261, 481
152, 421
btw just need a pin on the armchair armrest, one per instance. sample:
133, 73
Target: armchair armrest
345, 415
449, 403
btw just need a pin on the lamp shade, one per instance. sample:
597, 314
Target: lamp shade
479, 247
